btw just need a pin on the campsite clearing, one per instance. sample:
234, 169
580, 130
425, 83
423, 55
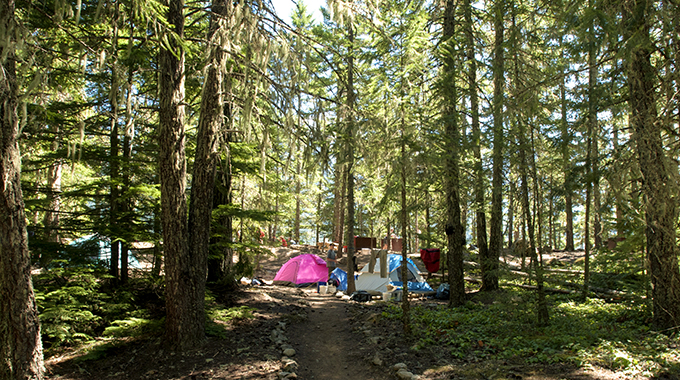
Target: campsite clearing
332, 338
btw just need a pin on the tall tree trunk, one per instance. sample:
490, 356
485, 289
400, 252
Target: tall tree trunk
298, 185
498, 67
511, 213
350, 230
551, 217
274, 230
20, 344
542, 310
676, 61
659, 184
566, 168
405, 303
543, 315
298, 191
594, 134
453, 226
210, 123
526, 211
220, 267
339, 204
591, 166
51, 220
126, 204
184, 325
480, 203
158, 238
350, 161
318, 215
617, 181
114, 217
586, 224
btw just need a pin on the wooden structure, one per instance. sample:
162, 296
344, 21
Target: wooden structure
365, 242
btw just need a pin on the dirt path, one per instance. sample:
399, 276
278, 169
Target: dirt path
326, 348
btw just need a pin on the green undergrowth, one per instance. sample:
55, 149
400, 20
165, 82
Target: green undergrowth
221, 318
503, 326
76, 306
79, 308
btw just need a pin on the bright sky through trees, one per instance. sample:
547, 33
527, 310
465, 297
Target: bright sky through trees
284, 8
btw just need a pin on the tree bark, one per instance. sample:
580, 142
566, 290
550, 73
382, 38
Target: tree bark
339, 205
205, 165
127, 205
593, 133
184, 324
543, 314
658, 179
350, 161
298, 192
405, 303
114, 149
480, 209
220, 267
20, 344
566, 168
51, 220
453, 227
496, 233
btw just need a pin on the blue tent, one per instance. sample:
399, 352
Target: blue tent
373, 282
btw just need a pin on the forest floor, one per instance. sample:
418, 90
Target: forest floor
332, 338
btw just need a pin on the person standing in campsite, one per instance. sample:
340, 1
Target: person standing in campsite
331, 259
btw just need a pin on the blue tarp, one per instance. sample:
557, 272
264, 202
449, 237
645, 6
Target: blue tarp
414, 286
341, 276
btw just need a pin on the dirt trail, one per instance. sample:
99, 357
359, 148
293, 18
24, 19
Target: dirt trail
326, 348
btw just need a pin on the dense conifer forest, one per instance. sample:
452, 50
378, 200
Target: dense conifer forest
157, 154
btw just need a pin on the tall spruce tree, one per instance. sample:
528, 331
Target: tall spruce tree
185, 319
657, 172
452, 140
21, 355
498, 69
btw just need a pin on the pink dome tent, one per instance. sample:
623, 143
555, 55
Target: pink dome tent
303, 269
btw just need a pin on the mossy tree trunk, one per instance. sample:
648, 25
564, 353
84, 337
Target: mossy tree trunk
658, 179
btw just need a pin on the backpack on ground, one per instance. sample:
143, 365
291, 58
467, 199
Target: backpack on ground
360, 296
443, 292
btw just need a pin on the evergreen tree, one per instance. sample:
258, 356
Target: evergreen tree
450, 118
498, 68
660, 204
20, 344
